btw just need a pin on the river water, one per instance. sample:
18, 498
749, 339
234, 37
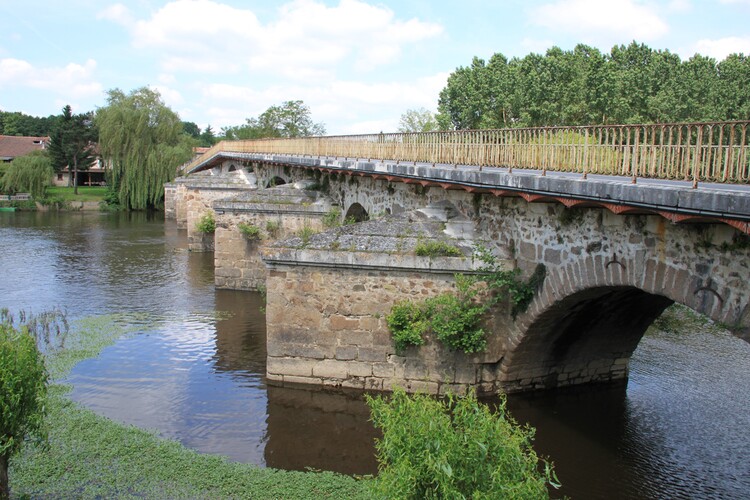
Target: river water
194, 371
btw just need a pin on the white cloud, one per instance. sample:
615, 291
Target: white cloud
117, 13
73, 81
741, 2
720, 48
339, 102
592, 21
306, 38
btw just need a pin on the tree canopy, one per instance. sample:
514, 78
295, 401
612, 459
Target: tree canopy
143, 142
17, 123
290, 119
630, 84
417, 120
72, 143
30, 173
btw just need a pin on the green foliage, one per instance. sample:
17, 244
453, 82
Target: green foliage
408, 324
72, 143
17, 123
436, 248
456, 318
290, 119
23, 391
30, 173
273, 226
630, 84
454, 448
250, 231
305, 234
417, 120
142, 139
206, 224
332, 218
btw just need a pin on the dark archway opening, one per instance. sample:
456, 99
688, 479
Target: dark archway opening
587, 337
275, 181
356, 213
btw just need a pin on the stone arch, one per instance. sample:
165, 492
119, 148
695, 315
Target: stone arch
232, 168
589, 316
356, 212
275, 181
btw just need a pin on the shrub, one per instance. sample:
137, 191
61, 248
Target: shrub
273, 226
332, 218
454, 448
250, 231
23, 391
456, 318
408, 323
306, 233
435, 248
206, 224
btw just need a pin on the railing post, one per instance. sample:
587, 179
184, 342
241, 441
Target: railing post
697, 156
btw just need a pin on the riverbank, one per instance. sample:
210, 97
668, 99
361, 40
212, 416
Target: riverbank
91, 456
62, 198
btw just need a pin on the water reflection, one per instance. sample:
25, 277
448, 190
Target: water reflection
325, 430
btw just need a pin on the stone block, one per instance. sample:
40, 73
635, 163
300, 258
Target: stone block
346, 353
290, 366
359, 369
383, 370
338, 322
330, 368
373, 354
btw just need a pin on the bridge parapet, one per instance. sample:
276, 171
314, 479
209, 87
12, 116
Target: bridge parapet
695, 152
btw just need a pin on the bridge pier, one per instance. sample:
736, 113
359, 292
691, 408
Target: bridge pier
276, 213
327, 303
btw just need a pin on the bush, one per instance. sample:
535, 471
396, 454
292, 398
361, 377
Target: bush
206, 224
408, 323
456, 318
273, 226
454, 448
332, 218
28, 174
23, 391
435, 248
250, 231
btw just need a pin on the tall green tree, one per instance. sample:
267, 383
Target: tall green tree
417, 120
72, 144
23, 390
30, 173
290, 119
207, 137
142, 140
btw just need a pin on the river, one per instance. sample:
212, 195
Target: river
194, 371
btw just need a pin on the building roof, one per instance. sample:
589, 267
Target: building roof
14, 146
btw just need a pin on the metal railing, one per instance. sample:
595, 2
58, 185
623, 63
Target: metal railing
697, 152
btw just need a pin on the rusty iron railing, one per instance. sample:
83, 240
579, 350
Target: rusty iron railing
697, 152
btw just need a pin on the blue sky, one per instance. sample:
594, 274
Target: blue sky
358, 64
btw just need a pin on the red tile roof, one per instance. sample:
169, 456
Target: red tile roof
14, 146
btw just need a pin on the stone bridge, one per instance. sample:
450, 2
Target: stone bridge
615, 255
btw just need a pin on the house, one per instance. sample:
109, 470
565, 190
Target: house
12, 147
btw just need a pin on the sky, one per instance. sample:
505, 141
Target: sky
358, 64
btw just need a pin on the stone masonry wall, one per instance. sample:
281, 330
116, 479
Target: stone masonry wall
238, 265
327, 326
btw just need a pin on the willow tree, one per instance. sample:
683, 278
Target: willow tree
141, 139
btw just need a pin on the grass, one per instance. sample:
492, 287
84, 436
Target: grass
90, 456
85, 193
